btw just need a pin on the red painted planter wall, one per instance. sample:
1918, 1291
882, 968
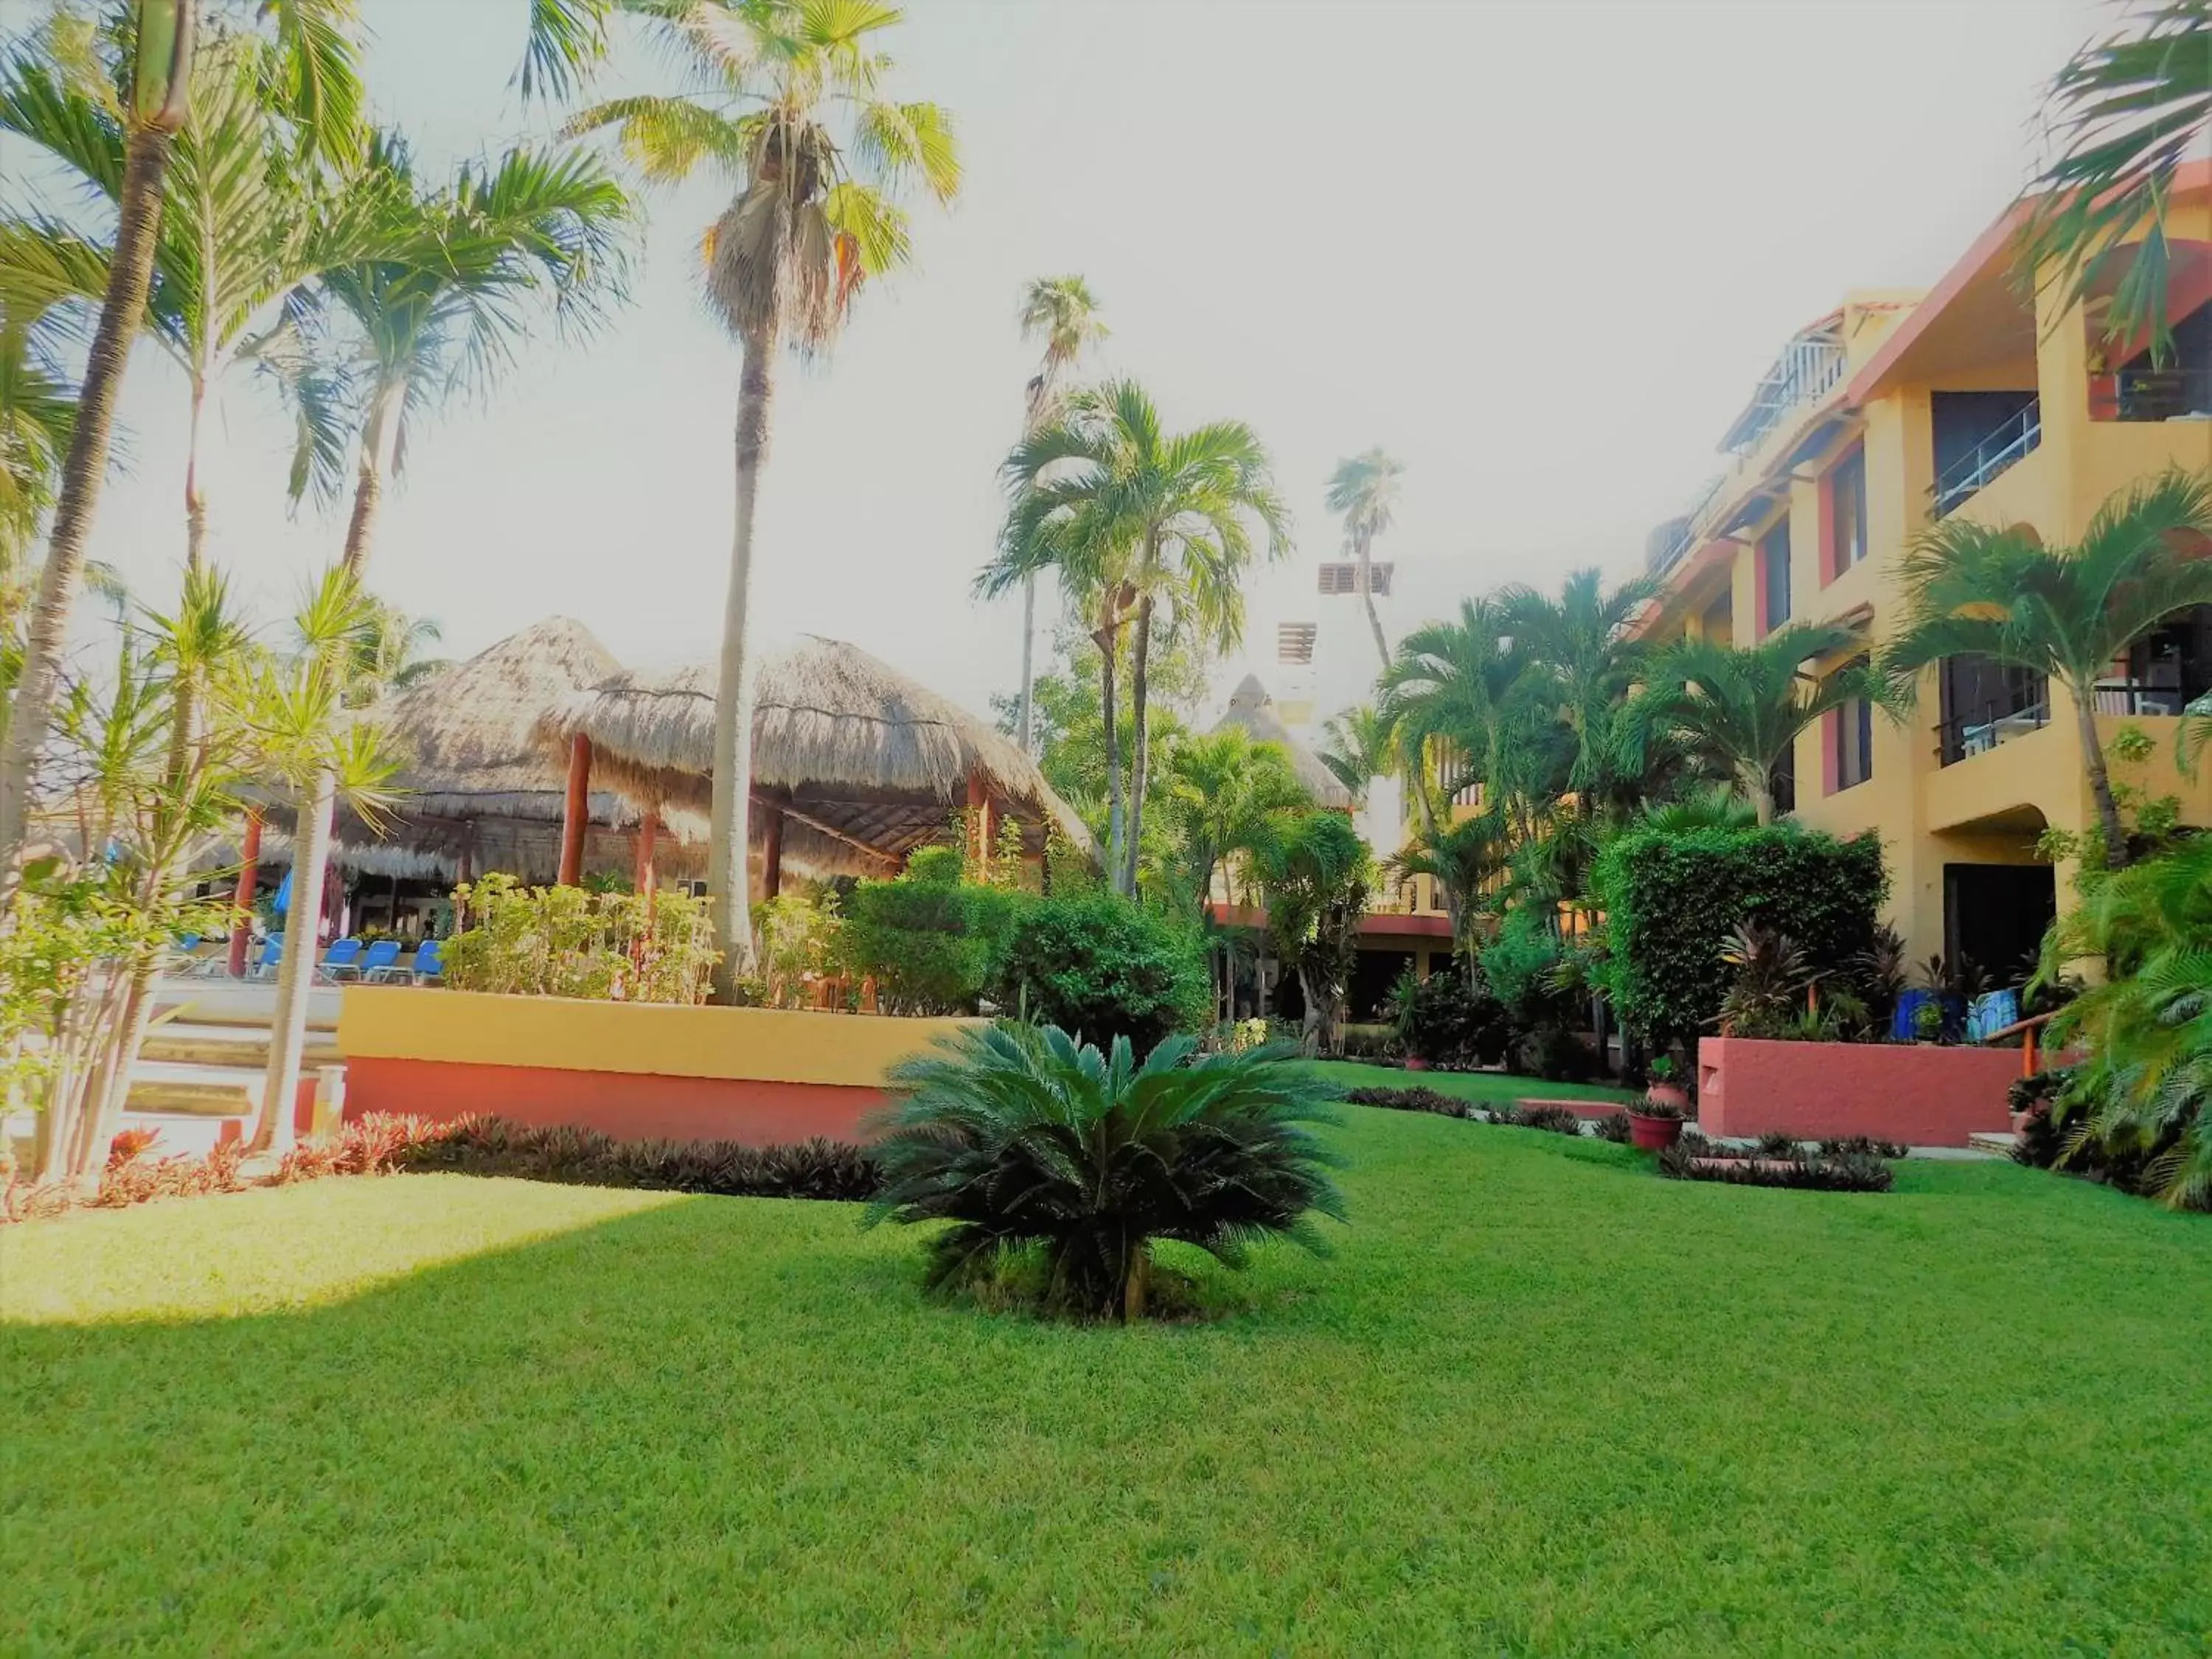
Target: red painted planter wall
1923, 1095
628, 1105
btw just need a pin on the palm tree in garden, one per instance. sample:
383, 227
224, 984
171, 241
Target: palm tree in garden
457, 277
1467, 861
791, 114
1227, 797
1365, 489
1133, 516
1447, 692
1584, 664
2067, 613
38, 412
143, 123
1063, 312
1743, 707
1359, 746
2126, 111
1314, 874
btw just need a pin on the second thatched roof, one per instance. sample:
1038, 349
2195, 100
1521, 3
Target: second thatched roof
838, 736
1252, 709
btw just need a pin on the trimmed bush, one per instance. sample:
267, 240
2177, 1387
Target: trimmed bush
1775, 1161
815, 1169
1099, 967
1672, 900
1447, 1022
931, 941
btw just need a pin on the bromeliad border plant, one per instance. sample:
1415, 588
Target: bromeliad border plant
1029, 1142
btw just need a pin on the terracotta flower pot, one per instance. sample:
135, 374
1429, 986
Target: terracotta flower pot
1415, 1063
1668, 1094
1651, 1134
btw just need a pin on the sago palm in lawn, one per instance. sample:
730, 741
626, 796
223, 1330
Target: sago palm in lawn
1131, 515
1063, 312
1364, 490
793, 117
1743, 707
2067, 613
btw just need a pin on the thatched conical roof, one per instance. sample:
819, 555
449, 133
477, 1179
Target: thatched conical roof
841, 736
1252, 709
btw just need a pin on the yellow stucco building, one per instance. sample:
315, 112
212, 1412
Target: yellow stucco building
1891, 411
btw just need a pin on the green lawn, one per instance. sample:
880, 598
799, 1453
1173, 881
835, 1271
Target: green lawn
1540, 1401
1488, 1088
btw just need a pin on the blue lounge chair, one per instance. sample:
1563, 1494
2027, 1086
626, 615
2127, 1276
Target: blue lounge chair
343, 959
430, 962
382, 962
271, 958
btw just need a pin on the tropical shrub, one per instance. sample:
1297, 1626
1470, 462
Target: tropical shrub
1029, 1142
1614, 1127
1105, 967
1445, 1020
930, 940
1552, 1120
816, 1168
1671, 902
567, 942
1780, 1161
1529, 967
799, 938
1410, 1100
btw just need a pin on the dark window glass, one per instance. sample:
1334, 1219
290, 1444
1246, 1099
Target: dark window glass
1774, 553
1855, 740
1848, 493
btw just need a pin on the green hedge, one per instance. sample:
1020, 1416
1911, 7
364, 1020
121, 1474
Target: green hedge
1671, 899
932, 943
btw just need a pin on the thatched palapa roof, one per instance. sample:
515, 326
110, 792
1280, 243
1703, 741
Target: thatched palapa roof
1252, 709
851, 749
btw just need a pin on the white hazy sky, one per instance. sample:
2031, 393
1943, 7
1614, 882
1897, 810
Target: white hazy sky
1538, 251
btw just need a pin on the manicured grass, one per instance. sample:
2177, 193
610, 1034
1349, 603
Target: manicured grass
1486, 1087
1540, 1401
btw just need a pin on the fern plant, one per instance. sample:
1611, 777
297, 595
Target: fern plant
1024, 1139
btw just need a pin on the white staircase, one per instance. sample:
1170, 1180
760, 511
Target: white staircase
209, 1048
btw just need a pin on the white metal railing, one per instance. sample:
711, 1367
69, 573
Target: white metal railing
1810, 366
1664, 547
2017, 438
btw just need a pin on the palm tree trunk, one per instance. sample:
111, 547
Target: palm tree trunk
1760, 786
129, 278
1367, 599
1141, 759
1027, 726
2101, 778
295, 975
1107, 637
195, 497
729, 897
379, 439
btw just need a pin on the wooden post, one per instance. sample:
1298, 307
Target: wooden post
648, 830
249, 871
979, 827
771, 850
2027, 1051
391, 923
576, 811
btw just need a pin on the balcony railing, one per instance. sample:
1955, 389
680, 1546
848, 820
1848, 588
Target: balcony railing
1973, 471
2151, 394
1808, 367
1984, 727
1664, 547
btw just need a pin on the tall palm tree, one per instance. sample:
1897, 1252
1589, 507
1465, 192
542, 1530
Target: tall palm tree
791, 115
1063, 312
1744, 706
1447, 693
1359, 746
142, 124
458, 276
1365, 489
2067, 613
1467, 861
38, 413
1135, 516
1227, 796
2126, 111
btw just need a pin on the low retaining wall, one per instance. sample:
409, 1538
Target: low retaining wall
1920, 1094
633, 1070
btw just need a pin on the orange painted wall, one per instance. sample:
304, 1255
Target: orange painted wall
630, 1106
1920, 1094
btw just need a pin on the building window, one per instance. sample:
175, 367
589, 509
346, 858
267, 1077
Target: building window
1848, 510
1853, 728
1774, 571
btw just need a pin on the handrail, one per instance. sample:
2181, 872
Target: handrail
1978, 467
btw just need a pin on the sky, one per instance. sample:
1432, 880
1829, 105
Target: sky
1540, 252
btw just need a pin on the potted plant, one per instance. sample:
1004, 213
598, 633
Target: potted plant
1654, 1125
1665, 1088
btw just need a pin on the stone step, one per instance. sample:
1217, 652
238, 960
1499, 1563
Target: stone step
196, 1042
231, 1002
194, 1091
1997, 1141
